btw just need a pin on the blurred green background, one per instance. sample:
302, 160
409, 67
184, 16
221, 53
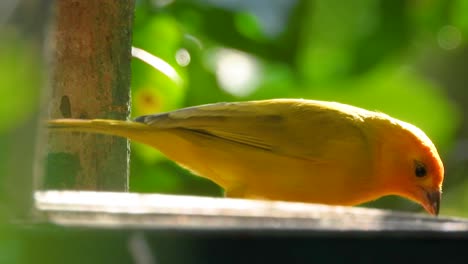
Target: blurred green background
408, 59
405, 58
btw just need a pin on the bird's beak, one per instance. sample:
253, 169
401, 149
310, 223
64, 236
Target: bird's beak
433, 202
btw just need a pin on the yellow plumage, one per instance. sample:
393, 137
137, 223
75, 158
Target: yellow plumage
288, 149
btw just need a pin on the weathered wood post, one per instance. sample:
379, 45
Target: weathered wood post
90, 78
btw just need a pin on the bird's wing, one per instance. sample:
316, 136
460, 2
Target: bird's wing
307, 131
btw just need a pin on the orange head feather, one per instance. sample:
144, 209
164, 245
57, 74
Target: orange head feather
409, 164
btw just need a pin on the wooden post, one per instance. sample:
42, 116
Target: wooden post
90, 78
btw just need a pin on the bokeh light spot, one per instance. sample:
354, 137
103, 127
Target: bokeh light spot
238, 73
183, 57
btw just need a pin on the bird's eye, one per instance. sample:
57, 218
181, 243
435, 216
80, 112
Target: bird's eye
420, 170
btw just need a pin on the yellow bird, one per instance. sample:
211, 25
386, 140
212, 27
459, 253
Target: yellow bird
290, 150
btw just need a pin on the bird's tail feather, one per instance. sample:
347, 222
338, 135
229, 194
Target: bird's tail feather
101, 126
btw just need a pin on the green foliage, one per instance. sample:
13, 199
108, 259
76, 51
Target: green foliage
18, 72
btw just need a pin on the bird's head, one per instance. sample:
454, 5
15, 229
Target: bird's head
411, 166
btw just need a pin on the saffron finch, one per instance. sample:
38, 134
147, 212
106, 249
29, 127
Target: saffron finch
290, 150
